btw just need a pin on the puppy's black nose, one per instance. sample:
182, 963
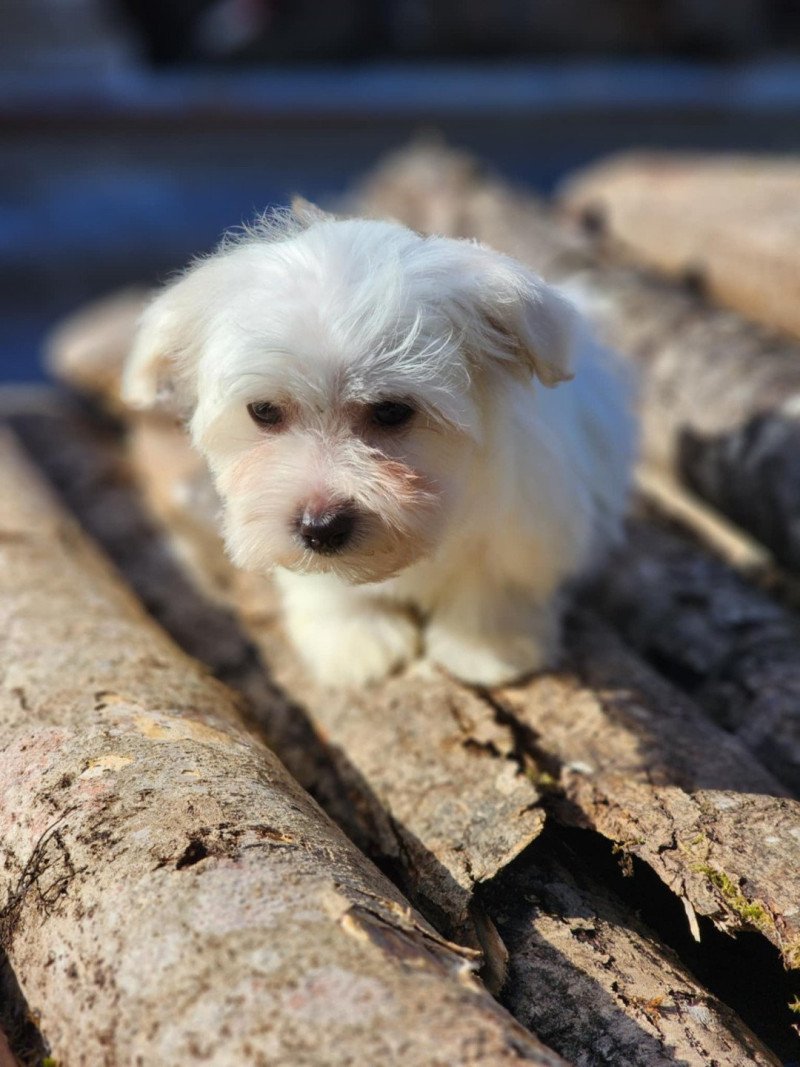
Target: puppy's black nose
328, 531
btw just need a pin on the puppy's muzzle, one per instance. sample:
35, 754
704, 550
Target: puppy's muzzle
327, 532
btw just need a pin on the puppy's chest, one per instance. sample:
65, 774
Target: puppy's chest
429, 584
421, 586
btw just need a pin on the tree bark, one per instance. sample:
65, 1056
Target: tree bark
553, 976
637, 761
719, 398
726, 643
618, 750
729, 224
636, 999
169, 893
450, 807
632, 757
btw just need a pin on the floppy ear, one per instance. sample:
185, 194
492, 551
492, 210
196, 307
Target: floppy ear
519, 319
159, 371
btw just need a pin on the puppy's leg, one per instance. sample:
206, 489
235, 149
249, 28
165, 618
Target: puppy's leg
489, 634
347, 636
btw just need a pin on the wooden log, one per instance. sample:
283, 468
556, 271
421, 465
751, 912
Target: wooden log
731, 646
639, 1003
719, 398
445, 813
88, 348
581, 988
638, 762
729, 224
729, 897
629, 755
659, 492
627, 751
692, 842
169, 893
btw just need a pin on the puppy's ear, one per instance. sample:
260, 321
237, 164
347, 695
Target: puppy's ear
307, 213
159, 372
520, 319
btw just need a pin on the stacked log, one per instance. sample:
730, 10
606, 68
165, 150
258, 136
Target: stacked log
169, 892
89, 347
727, 224
366, 794
729, 644
688, 829
472, 809
718, 396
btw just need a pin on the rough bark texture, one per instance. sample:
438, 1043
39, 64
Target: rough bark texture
730, 224
630, 753
614, 747
449, 800
577, 986
719, 398
731, 646
169, 893
636, 761
433, 786
637, 1000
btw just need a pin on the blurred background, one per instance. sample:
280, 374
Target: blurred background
133, 132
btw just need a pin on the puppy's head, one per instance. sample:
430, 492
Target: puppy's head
335, 375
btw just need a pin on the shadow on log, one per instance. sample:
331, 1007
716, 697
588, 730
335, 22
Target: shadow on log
567, 932
729, 645
169, 892
372, 787
611, 745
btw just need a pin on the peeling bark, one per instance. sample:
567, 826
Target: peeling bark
637, 761
719, 397
639, 1006
729, 224
608, 759
587, 1000
169, 892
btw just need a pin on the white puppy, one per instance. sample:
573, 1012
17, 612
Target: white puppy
369, 402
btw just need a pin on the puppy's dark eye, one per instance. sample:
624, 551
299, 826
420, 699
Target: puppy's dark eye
264, 413
391, 413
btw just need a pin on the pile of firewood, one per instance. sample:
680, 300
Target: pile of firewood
206, 858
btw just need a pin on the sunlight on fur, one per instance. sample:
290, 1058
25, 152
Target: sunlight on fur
376, 410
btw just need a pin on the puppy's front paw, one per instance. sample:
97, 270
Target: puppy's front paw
357, 649
490, 661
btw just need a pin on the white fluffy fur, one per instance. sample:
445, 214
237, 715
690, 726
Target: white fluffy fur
472, 518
